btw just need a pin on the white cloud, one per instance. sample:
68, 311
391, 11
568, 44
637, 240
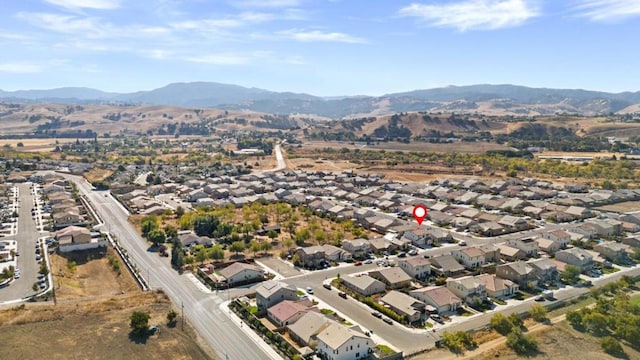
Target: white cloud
474, 14
86, 4
68, 24
265, 3
608, 10
19, 68
209, 25
320, 36
220, 59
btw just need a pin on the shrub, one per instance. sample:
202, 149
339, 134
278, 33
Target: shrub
139, 323
501, 324
521, 343
611, 346
538, 313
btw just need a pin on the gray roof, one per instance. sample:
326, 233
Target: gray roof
270, 287
335, 335
309, 325
361, 282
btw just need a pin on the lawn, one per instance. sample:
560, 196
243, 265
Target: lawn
635, 300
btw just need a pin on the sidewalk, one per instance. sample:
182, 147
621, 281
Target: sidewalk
224, 307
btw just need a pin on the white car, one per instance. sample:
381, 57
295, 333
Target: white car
309, 290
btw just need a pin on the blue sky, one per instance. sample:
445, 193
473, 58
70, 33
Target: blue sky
321, 47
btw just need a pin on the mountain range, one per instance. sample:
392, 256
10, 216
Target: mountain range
491, 99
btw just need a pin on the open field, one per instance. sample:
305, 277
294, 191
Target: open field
34, 145
87, 274
97, 174
623, 207
559, 342
95, 330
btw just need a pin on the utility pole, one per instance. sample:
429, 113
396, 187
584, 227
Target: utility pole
182, 305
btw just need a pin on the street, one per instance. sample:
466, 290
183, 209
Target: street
201, 309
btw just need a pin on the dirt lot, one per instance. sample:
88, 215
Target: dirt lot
95, 330
90, 319
560, 342
91, 277
97, 174
34, 145
466, 147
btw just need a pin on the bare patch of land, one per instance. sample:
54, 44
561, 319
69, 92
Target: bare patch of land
466, 147
622, 207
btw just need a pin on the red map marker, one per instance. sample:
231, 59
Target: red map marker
419, 213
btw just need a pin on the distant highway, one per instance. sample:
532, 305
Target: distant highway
200, 308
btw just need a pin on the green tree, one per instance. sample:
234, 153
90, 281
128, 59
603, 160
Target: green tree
157, 236
574, 318
216, 253
148, 224
272, 234
139, 323
171, 232
44, 270
205, 225
571, 274
501, 324
611, 346
595, 323
538, 313
266, 246
516, 321
255, 247
521, 343
179, 211
237, 247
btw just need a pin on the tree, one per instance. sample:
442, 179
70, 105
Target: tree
571, 274
216, 253
521, 343
611, 346
266, 246
148, 223
272, 234
139, 323
516, 321
205, 225
237, 246
171, 317
157, 236
538, 313
44, 270
574, 318
595, 322
501, 324
171, 232
179, 211
255, 247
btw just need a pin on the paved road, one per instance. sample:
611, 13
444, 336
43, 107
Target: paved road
202, 309
413, 340
26, 238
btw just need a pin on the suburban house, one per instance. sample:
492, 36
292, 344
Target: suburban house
519, 272
306, 329
546, 270
272, 292
576, 256
364, 284
513, 223
74, 238
468, 288
417, 267
490, 252
358, 248
528, 245
439, 297
288, 312
633, 241
498, 287
380, 245
561, 237
404, 305
419, 237
393, 277
611, 250
548, 246
240, 273
510, 253
337, 342
470, 257
313, 256
446, 265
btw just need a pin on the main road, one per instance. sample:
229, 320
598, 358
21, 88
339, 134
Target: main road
202, 309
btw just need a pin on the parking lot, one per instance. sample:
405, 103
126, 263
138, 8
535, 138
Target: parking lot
26, 238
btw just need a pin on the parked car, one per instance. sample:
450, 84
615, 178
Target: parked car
413, 252
309, 290
376, 314
342, 294
402, 255
358, 263
368, 261
327, 286
387, 320
462, 243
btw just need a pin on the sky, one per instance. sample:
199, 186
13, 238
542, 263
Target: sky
320, 47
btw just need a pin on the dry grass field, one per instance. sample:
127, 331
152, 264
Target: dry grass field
466, 147
623, 207
34, 145
90, 319
97, 174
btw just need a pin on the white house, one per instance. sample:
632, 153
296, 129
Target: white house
338, 342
